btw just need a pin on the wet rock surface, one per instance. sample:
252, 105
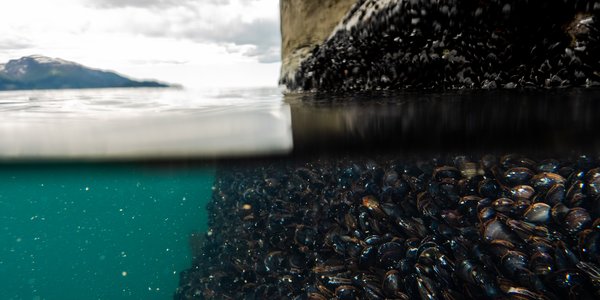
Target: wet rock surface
449, 44
438, 228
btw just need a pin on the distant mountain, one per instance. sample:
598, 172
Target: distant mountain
40, 72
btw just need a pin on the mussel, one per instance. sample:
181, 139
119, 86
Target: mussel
542, 182
538, 213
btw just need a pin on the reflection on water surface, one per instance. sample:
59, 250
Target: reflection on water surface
170, 123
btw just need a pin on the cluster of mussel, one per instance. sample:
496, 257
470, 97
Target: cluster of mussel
450, 44
443, 228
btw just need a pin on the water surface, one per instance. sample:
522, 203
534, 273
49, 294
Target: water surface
109, 124
142, 124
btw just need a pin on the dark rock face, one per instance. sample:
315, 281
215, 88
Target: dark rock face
39, 72
439, 228
450, 44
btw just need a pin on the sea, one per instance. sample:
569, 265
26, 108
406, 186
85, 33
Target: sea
100, 190
104, 192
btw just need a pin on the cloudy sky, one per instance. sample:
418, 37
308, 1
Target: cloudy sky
197, 43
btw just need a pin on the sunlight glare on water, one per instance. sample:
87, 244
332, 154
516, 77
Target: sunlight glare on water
113, 103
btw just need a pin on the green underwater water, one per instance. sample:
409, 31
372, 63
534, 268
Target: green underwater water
98, 231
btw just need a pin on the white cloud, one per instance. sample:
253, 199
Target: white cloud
136, 3
12, 42
245, 22
131, 35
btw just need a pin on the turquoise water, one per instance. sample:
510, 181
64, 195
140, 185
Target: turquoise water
98, 231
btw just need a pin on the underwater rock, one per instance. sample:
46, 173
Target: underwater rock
449, 44
436, 228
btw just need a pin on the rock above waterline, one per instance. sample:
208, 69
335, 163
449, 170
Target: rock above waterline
444, 44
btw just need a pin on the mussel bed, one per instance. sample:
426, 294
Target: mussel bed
437, 228
455, 45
